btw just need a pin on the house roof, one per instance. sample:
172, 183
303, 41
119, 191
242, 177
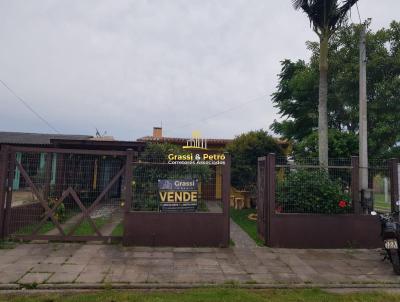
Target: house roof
22, 138
182, 141
100, 144
210, 141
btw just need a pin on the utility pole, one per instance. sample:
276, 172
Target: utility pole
363, 135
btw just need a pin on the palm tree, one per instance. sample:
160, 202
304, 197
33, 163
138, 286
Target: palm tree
326, 16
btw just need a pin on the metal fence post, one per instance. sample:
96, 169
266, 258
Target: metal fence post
270, 195
128, 180
394, 183
355, 185
226, 188
3, 178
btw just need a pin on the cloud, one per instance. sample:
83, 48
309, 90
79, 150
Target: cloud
125, 66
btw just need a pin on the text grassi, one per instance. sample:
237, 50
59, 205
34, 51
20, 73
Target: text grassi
192, 157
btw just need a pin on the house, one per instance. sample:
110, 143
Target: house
211, 190
216, 144
87, 171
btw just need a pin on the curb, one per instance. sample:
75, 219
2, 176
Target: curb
171, 286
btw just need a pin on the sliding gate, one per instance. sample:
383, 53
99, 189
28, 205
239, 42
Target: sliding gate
60, 194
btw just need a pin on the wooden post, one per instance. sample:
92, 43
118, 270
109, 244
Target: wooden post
47, 176
226, 189
4, 149
10, 179
128, 180
355, 185
394, 183
270, 195
59, 174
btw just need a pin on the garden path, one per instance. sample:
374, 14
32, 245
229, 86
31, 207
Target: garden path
240, 237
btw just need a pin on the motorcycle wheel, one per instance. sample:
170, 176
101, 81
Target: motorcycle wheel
395, 258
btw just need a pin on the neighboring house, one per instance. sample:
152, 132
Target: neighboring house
34, 163
157, 137
88, 170
210, 189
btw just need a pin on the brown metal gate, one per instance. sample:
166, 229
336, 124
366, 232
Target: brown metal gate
261, 204
265, 195
61, 194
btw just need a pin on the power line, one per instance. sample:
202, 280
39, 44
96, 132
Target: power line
29, 107
224, 111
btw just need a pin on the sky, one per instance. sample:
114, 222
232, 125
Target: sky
124, 66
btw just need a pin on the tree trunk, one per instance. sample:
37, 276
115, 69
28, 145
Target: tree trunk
323, 103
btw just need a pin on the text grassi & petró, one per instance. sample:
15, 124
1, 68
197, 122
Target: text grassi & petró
196, 159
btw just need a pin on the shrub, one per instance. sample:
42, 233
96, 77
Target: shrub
245, 150
59, 213
305, 191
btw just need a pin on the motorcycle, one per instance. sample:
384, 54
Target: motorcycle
390, 233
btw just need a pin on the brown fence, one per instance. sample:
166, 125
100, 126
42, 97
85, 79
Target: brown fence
82, 195
302, 205
61, 194
197, 216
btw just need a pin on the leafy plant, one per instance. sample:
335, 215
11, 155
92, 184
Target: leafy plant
59, 213
245, 150
305, 191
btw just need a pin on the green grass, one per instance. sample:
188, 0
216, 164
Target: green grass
6, 245
46, 227
379, 203
249, 226
28, 229
203, 295
118, 230
86, 229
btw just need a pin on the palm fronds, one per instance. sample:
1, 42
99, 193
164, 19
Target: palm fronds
325, 15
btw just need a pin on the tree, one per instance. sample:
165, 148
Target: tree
326, 16
341, 145
296, 96
245, 150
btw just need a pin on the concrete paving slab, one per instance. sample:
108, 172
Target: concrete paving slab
91, 264
31, 278
90, 277
10, 276
62, 277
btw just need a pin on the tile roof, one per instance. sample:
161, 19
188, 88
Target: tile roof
22, 138
182, 140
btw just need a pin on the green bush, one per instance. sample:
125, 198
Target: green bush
245, 150
59, 213
305, 191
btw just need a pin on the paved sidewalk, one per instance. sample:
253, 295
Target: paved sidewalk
77, 264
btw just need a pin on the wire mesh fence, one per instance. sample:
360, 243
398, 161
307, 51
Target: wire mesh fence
303, 186
163, 187
64, 194
379, 183
52, 191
